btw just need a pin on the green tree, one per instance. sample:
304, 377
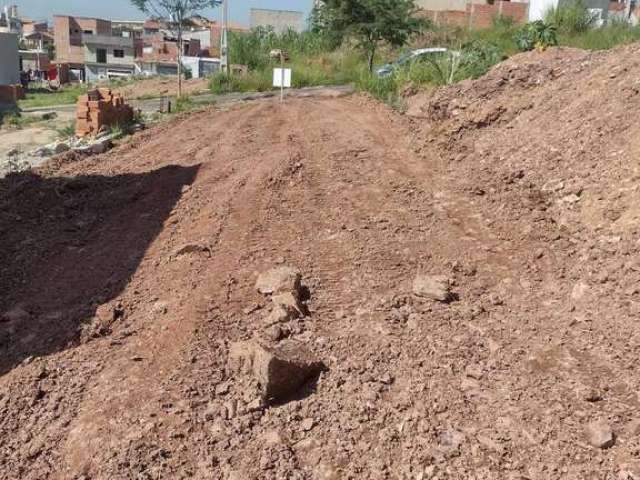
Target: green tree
369, 22
177, 14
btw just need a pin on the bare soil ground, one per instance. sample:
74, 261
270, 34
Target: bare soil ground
162, 86
127, 277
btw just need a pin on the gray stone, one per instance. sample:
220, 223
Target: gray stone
280, 371
43, 152
60, 148
450, 441
434, 287
285, 308
599, 434
279, 280
101, 147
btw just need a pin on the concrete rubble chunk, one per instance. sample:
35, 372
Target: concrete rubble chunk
281, 371
600, 435
434, 287
285, 307
279, 280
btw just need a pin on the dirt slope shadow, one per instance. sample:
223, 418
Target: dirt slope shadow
69, 245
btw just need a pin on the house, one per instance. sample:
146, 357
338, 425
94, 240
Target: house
279, 20
127, 28
472, 13
9, 59
35, 47
92, 49
153, 26
598, 8
216, 35
70, 49
108, 56
10, 90
201, 67
9, 20
160, 53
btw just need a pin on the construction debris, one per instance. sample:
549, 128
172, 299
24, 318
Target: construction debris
101, 108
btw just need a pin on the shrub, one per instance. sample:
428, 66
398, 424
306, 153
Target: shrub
384, 89
538, 34
479, 57
183, 104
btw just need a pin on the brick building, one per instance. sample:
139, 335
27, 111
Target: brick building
91, 49
472, 13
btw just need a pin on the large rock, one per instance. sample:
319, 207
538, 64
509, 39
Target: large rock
434, 287
279, 280
600, 435
280, 371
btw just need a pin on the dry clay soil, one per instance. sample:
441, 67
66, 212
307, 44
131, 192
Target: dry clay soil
126, 277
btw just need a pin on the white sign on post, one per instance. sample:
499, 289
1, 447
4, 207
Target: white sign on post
282, 77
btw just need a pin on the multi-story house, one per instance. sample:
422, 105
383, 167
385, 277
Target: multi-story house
91, 49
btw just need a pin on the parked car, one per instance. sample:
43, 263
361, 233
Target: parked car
407, 59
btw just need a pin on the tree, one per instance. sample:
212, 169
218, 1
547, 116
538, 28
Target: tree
177, 12
369, 22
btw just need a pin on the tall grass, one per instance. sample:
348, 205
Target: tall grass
252, 49
46, 98
316, 59
615, 33
572, 18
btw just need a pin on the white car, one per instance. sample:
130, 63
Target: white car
407, 59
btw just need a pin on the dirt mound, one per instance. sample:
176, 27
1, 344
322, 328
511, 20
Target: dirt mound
162, 86
555, 128
461, 294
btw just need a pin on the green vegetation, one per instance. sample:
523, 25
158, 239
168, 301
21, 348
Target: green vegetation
538, 35
615, 33
370, 23
183, 104
572, 19
47, 98
66, 130
15, 120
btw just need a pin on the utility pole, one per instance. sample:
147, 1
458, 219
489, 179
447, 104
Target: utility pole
224, 41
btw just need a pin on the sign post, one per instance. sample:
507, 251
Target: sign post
281, 76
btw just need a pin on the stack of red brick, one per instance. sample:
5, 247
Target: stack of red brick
10, 94
100, 108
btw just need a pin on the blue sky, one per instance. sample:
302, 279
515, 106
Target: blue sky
123, 10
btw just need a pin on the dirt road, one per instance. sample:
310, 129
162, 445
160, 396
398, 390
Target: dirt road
129, 274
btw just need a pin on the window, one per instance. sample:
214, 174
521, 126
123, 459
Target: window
118, 53
101, 55
88, 32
